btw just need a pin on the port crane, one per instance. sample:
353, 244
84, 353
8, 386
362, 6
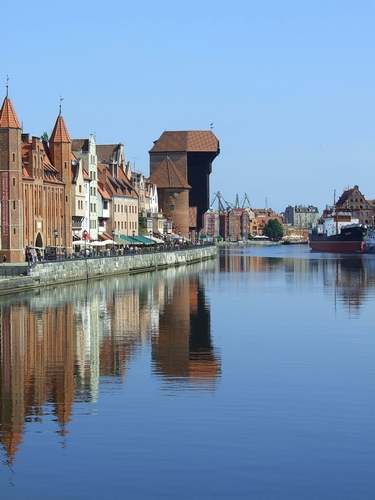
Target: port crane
223, 205
244, 200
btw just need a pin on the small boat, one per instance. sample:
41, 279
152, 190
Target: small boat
340, 233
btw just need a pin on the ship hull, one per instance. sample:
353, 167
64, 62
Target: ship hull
337, 246
348, 241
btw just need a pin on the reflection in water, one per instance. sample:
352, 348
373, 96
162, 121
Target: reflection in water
57, 345
346, 277
182, 349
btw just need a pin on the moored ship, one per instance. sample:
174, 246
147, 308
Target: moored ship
339, 233
370, 242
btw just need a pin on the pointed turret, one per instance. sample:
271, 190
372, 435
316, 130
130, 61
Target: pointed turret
8, 117
60, 132
60, 147
11, 183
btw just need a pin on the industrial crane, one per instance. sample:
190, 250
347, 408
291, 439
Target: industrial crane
223, 205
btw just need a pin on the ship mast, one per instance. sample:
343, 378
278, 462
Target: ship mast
335, 215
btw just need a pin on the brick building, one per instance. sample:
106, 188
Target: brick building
36, 189
187, 157
354, 201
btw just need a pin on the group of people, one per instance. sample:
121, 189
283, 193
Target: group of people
33, 255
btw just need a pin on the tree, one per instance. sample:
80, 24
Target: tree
44, 137
273, 230
142, 222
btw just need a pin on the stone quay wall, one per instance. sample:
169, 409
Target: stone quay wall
64, 271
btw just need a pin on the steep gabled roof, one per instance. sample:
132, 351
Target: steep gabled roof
344, 198
86, 176
114, 185
8, 117
188, 141
80, 145
166, 175
103, 192
60, 132
107, 153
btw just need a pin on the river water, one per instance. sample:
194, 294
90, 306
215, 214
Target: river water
251, 377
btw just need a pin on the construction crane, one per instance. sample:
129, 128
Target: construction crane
223, 205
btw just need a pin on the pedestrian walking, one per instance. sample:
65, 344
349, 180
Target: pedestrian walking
4, 258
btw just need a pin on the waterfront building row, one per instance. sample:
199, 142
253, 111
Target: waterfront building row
237, 224
56, 191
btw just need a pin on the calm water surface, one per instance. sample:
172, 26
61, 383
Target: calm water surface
250, 377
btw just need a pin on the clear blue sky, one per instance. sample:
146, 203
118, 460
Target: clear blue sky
289, 85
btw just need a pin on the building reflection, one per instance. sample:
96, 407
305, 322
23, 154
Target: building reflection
347, 278
57, 346
182, 350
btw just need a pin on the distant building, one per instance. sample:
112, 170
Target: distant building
354, 201
261, 218
301, 216
211, 224
236, 224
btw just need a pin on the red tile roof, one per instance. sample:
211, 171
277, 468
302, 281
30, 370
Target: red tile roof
188, 141
166, 175
115, 185
8, 117
60, 132
103, 192
86, 176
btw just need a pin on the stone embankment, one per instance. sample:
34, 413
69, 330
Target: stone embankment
65, 271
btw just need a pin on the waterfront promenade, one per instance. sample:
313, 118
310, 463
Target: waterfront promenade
22, 276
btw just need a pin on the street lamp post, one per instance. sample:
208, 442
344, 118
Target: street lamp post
85, 236
56, 233
113, 239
